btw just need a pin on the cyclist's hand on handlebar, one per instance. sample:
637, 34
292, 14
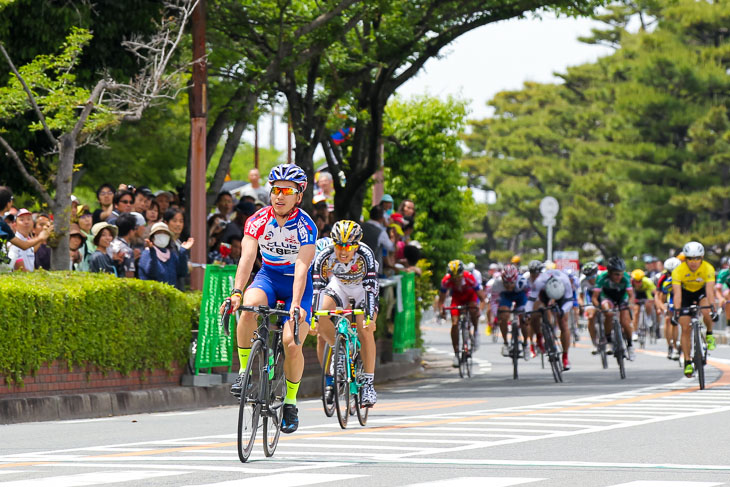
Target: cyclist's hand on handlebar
675, 317
302, 314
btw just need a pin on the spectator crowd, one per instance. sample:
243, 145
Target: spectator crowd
137, 233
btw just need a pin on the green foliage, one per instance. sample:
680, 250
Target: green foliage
425, 295
634, 146
421, 161
80, 318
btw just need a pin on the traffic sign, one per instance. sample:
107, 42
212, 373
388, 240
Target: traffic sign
549, 207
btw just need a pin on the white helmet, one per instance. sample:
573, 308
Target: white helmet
693, 249
554, 288
470, 266
672, 263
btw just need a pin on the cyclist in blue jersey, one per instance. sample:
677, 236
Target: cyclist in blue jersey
286, 235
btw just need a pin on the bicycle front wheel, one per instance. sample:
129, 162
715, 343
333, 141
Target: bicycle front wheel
552, 351
342, 383
275, 409
699, 359
601, 341
329, 407
515, 348
618, 348
249, 409
464, 366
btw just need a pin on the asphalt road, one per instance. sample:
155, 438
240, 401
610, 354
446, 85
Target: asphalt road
653, 429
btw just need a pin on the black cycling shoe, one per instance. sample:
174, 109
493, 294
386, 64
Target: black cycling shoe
237, 385
290, 420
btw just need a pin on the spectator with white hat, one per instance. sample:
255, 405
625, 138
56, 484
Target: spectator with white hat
100, 261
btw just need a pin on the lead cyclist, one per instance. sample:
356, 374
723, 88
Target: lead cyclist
285, 235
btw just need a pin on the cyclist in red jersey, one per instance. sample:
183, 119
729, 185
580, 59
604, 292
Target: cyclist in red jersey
464, 290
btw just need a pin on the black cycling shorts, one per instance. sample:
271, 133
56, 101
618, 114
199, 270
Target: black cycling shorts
689, 298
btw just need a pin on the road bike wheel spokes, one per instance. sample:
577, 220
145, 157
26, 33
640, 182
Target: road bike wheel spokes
342, 385
362, 413
249, 409
698, 355
329, 409
277, 393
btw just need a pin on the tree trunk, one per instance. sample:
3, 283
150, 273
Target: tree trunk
60, 257
224, 163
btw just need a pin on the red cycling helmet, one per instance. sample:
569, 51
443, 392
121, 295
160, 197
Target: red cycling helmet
510, 273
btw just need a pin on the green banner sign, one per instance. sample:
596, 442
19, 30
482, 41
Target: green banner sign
404, 327
214, 348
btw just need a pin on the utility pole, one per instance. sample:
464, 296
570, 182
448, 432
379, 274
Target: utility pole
198, 104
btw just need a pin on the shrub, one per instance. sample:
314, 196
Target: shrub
96, 319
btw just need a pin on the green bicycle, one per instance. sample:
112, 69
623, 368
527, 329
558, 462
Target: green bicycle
349, 369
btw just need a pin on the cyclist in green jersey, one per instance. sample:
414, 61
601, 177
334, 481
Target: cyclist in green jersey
613, 290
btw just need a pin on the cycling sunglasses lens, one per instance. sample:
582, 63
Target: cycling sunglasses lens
285, 191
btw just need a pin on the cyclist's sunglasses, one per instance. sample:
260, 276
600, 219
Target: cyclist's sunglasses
286, 191
347, 248
694, 258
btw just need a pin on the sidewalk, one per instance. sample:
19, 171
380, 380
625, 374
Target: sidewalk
103, 404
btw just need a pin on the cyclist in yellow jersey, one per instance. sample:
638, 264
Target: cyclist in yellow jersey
643, 289
693, 282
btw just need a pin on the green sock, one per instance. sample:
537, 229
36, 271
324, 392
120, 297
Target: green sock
291, 392
243, 354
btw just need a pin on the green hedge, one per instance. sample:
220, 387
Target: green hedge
98, 319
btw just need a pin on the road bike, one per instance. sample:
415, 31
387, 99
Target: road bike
550, 341
466, 339
617, 337
327, 404
263, 388
646, 328
698, 346
517, 347
348, 366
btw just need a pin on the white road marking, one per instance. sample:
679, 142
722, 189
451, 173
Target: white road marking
477, 482
92, 478
666, 483
288, 479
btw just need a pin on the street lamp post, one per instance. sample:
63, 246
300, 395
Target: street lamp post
549, 208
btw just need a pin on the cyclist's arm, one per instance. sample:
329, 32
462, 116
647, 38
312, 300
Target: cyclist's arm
677, 290
659, 300
596, 294
249, 249
710, 292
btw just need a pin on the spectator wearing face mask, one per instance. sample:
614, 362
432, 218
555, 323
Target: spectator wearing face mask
159, 261
387, 205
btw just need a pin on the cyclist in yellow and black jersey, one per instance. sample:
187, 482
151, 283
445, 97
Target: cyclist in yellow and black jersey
693, 282
643, 290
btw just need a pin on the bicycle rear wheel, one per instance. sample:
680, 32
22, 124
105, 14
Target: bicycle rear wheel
464, 367
552, 351
329, 408
342, 384
362, 412
275, 409
618, 348
515, 348
698, 356
249, 409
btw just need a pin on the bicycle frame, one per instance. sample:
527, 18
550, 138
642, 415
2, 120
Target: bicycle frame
348, 330
464, 322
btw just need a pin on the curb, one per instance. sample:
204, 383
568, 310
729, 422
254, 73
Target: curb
104, 404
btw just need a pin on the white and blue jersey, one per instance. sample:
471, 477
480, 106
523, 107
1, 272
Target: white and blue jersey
279, 251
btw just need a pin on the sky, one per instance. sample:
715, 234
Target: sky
490, 59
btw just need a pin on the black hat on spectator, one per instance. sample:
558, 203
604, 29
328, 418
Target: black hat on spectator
245, 207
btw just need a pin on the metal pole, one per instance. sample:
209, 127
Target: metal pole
256, 145
197, 135
288, 142
550, 242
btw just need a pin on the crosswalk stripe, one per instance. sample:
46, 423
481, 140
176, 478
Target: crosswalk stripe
666, 483
477, 482
288, 479
92, 478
